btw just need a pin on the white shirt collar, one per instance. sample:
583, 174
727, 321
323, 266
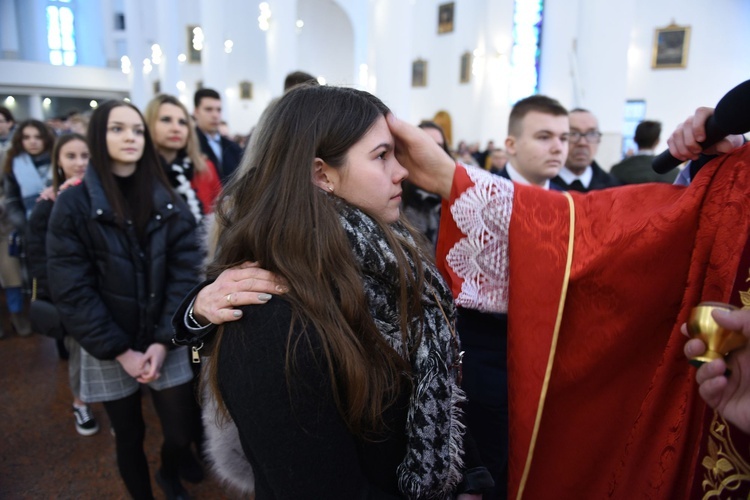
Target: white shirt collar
516, 176
585, 178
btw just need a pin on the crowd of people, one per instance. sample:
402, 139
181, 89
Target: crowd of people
356, 334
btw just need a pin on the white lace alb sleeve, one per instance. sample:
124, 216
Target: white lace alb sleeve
482, 213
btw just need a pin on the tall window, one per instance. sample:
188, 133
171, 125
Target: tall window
635, 113
524, 58
61, 35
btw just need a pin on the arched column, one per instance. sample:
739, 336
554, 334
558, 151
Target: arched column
390, 54
137, 51
169, 33
281, 42
213, 57
8, 30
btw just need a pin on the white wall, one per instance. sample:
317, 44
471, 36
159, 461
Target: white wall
326, 42
607, 47
718, 59
477, 108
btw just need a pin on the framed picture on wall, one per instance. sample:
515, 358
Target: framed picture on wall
445, 17
671, 47
465, 68
419, 73
246, 90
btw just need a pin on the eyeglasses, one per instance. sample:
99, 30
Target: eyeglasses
592, 137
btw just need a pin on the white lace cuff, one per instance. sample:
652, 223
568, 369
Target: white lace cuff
483, 213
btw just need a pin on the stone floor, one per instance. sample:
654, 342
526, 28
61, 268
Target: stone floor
41, 455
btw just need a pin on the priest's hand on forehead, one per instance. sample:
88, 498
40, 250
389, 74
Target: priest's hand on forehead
429, 166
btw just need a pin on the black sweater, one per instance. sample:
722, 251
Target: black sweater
291, 430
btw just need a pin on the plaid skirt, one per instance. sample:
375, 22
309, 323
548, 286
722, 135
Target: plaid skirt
107, 380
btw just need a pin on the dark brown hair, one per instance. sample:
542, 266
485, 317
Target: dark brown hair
647, 134
16, 142
206, 92
58, 174
272, 213
429, 124
297, 78
538, 103
7, 114
148, 168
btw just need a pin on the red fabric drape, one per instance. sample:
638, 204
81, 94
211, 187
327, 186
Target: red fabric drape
622, 417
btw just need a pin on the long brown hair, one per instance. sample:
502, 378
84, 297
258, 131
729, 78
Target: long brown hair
58, 175
273, 213
148, 168
16, 142
192, 149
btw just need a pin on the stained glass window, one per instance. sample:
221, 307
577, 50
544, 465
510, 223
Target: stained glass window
524, 58
61, 38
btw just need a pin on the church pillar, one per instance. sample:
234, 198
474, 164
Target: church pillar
390, 54
137, 52
213, 58
169, 41
8, 30
281, 43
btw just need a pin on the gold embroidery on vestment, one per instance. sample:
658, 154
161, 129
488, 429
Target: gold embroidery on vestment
725, 468
745, 296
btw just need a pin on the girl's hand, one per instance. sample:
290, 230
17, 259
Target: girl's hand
132, 362
153, 360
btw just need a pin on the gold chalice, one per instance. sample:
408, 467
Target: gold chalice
719, 341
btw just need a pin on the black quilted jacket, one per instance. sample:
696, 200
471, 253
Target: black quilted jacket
113, 293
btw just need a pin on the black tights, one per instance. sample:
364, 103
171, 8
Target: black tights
172, 406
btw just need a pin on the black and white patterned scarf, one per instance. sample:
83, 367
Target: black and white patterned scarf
432, 465
180, 173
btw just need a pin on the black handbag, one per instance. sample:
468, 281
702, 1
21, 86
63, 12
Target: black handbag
44, 317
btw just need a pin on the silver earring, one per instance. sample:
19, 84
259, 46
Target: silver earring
330, 188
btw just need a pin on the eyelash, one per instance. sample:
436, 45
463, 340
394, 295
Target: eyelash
117, 129
167, 120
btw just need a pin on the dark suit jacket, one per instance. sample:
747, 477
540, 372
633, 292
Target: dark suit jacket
637, 170
600, 180
231, 153
503, 172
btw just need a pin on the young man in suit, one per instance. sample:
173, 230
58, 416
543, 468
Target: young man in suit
224, 153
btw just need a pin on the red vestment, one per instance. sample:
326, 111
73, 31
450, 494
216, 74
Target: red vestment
602, 402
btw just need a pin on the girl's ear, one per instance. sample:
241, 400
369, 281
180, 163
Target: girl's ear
324, 176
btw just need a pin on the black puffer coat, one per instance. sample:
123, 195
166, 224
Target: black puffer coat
36, 250
112, 293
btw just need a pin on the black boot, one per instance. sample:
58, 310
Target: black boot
171, 487
62, 351
190, 468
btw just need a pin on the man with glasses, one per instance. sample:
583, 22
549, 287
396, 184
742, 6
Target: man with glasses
581, 172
